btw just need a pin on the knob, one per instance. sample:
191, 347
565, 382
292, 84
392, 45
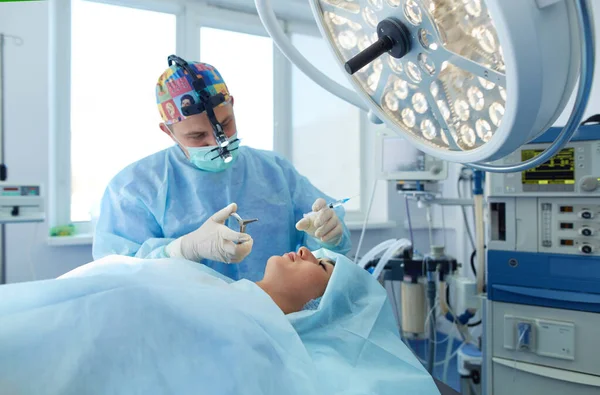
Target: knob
586, 249
589, 184
586, 231
586, 214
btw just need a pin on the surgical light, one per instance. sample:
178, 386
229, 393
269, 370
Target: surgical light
514, 63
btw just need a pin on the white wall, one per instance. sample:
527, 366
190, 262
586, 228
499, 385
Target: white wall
26, 116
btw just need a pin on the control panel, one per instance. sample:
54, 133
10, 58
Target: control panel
21, 203
569, 227
545, 224
574, 171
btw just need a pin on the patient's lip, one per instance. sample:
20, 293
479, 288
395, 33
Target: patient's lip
291, 256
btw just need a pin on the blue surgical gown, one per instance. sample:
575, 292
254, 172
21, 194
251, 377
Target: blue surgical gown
162, 197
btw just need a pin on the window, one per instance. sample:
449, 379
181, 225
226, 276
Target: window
325, 127
114, 118
246, 63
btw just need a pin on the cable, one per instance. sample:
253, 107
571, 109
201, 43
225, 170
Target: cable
395, 304
429, 224
473, 262
473, 325
455, 322
466, 221
410, 229
364, 228
436, 305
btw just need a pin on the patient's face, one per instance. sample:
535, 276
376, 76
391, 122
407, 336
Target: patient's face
299, 274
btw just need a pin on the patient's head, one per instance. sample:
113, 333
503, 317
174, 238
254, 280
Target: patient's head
294, 279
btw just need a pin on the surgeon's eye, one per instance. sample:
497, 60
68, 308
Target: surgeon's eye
198, 136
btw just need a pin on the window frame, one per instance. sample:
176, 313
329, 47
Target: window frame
190, 18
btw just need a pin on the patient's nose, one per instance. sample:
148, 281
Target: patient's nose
306, 254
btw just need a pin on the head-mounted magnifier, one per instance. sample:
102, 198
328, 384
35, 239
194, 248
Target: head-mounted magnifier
207, 103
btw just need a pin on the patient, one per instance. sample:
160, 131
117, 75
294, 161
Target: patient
123, 325
294, 279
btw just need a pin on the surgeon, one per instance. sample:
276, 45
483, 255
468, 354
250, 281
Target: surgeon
177, 202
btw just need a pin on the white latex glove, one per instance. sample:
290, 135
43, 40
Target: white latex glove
213, 241
323, 224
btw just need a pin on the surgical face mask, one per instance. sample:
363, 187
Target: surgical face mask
206, 158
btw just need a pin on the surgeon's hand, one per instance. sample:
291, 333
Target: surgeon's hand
323, 224
213, 241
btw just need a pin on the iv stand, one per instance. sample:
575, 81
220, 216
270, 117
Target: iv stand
3, 170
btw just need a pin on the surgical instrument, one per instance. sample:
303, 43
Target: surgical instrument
243, 222
332, 205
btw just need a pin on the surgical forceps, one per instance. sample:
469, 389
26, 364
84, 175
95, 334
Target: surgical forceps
243, 222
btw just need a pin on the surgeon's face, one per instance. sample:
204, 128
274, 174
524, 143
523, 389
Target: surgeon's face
196, 130
299, 275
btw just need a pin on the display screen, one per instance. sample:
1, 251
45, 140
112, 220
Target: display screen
30, 191
558, 170
566, 225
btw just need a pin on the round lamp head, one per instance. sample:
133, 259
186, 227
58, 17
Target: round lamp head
480, 78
